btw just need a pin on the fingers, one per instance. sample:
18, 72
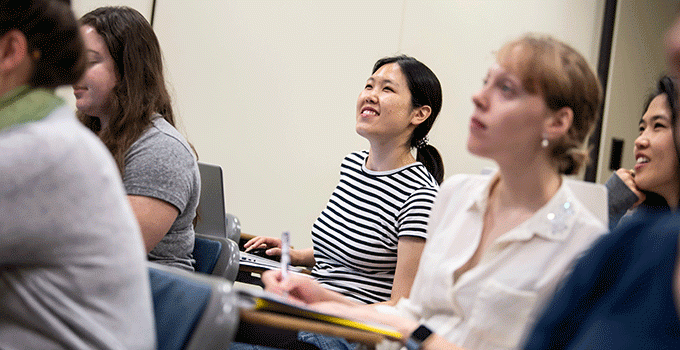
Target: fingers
298, 288
273, 251
271, 278
625, 174
641, 198
253, 243
628, 177
262, 242
274, 283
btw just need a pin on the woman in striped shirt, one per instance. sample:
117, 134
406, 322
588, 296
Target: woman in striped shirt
368, 240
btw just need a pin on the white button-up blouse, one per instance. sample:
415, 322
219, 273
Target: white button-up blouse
491, 305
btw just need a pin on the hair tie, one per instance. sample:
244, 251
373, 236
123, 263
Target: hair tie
422, 142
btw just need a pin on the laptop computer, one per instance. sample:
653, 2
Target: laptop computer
211, 212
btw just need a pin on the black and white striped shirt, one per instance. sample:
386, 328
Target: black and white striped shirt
355, 237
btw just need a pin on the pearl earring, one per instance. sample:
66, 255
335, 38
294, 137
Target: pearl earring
544, 142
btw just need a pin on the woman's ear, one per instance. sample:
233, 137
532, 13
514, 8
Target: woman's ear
420, 114
13, 50
557, 124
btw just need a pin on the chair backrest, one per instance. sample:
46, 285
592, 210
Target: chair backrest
593, 196
217, 256
233, 227
206, 253
212, 215
192, 311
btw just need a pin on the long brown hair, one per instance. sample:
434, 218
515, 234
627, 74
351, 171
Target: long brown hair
140, 92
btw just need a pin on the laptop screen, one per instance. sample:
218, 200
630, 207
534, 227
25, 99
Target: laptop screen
211, 212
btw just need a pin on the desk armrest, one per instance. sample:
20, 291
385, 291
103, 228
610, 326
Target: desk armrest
290, 323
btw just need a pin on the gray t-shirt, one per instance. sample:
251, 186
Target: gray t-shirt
161, 165
73, 273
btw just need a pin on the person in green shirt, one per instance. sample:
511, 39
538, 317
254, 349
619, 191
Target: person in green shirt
73, 270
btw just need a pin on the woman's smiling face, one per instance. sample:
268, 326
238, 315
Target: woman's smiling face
384, 108
94, 91
656, 161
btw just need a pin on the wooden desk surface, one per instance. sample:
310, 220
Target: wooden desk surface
295, 324
289, 323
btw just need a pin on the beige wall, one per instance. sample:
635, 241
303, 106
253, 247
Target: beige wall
637, 62
267, 89
81, 7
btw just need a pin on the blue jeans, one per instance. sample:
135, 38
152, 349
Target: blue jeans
323, 342
242, 346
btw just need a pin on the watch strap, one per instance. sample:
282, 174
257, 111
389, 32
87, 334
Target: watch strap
415, 341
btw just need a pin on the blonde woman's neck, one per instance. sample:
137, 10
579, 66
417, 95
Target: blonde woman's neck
530, 185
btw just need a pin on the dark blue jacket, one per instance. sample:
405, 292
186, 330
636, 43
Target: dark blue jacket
620, 294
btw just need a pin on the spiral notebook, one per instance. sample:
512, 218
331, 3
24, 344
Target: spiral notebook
263, 301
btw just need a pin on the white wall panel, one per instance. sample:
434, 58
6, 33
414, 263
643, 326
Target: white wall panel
267, 89
81, 7
457, 39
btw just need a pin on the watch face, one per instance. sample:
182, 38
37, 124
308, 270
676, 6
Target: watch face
421, 333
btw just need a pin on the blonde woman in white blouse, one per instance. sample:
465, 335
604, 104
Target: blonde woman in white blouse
498, 244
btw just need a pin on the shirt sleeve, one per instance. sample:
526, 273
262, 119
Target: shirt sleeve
414, 215
160, 167
620, 198
404, 308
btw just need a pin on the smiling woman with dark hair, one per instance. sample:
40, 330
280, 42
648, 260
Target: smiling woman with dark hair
368, 239
654, 182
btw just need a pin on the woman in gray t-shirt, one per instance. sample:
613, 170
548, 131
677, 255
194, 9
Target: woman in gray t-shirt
122, 97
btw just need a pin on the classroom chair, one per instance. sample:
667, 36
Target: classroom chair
233, 227
192, 311
592, 195
216, 256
